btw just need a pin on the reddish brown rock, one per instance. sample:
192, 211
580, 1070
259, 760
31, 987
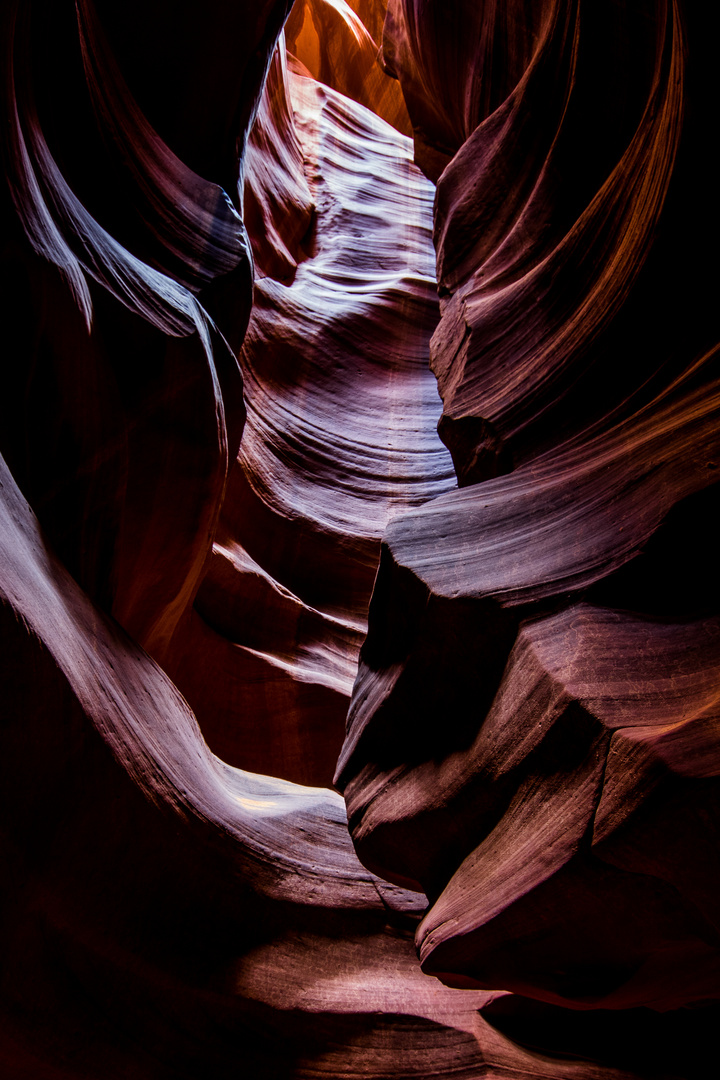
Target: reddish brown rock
339, 44
125, 398
340, 434
278, 206
560, 813
166, 914
458, 62
532, 738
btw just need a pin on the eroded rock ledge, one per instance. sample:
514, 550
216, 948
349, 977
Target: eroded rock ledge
232, 296
532, 736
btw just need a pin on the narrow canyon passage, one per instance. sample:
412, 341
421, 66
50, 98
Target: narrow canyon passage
340, 435
358, 575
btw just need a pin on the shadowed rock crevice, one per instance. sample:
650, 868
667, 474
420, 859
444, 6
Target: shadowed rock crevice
359, 420
576, 382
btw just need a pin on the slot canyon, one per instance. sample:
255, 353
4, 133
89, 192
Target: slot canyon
359, 598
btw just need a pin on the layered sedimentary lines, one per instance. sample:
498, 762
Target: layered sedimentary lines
237, 284
339, 44
125, 396
340, 432
566, 597
230, 851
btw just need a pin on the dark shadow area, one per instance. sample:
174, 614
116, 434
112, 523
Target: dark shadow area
679, 1044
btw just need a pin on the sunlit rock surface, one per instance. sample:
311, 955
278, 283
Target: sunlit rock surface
340, 433
123, 405
533, 733
204, 910
532, 741
339, 44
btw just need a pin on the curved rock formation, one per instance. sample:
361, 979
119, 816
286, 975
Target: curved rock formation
171, 888
340, 431
566, 598
532, 738
126, 397
338, 44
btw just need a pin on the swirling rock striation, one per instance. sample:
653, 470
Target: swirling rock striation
340, 432
558, 611
167, 915
338, 44
164, 913
173, 892
125, 401
154, 897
